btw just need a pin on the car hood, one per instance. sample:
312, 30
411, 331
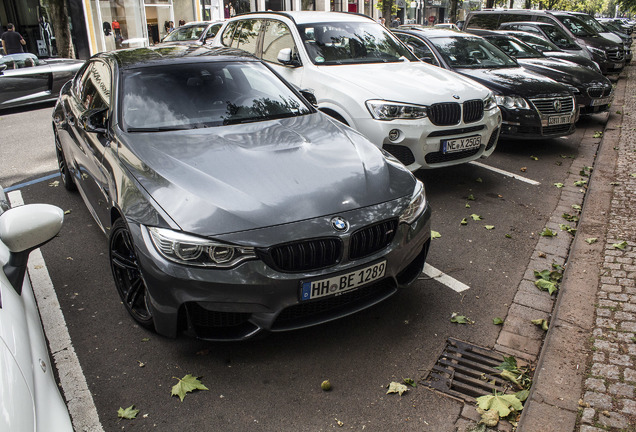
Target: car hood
515, 81
240, 177
395, 81
563, 71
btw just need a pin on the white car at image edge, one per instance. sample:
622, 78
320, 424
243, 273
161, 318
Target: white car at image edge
29, 397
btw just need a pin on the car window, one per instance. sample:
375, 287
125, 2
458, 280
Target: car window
514, 48
558, 37
20, 61
591, 22
488, 21
96, 88
577, 27
473, 53
212, 31
228, 33
419, 48
335, 43
185, 33
190, 96
246, 35
276, 37
536, 42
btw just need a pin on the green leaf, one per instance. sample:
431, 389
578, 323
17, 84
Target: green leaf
501, 403
509, 363
471, 197
511, 376
508, 236
598, 134
67, 212
591, 240
145, 339
435, 234
460, 319
543, 274
546, 285
396, 387
541, 323
570, 218
479, 180
489, 418
622, 245
185, 385
559, 185
580, 183
547, 232
54, 183
464, 222
633, 174
522, 395
409, 382
489, 227
534, 158
475, 217
467, 205
576, 207
128, 413
497, 321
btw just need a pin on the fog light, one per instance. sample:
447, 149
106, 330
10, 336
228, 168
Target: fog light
394, 134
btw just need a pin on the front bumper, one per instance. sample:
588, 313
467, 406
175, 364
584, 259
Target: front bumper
419, 143
530, 124
238, 303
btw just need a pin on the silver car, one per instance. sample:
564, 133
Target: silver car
231, 204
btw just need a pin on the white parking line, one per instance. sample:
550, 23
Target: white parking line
506, 173
443, 278
78, 397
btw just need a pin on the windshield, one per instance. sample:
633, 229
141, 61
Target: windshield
186, 33
576, 26
337, 43
195, 95
559, 37
612, 26
536, 42
592, 23
514, 48
473, 53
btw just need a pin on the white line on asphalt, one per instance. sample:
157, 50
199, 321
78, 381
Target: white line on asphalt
443, 278
506, 173
79, 399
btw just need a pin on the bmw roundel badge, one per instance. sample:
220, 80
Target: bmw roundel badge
339, 224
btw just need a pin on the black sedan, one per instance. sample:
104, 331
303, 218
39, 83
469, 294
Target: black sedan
200, 32
592, 90
26, 79
532, 105
231, 204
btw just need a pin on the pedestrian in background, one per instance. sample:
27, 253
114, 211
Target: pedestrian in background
12, 41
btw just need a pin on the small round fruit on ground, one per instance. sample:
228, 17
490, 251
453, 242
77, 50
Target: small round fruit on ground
127, 274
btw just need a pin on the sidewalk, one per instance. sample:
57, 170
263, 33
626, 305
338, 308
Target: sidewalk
585, 378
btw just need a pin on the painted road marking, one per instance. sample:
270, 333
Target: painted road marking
29, 183
506, 173
79, 399
444, 279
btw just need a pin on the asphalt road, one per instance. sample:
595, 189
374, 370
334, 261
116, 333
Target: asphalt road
273, 383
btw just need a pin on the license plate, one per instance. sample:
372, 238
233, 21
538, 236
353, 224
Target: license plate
335, 285
559, 120
618, 65
461, 144
602, 101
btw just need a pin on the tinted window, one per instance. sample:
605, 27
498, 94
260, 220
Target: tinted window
351, 43
577, 27
276, 37
95, 90
558, 37
514, 48
473, 53
536, 42
190, 96
488, 21
185, 33
419, 48
19, 61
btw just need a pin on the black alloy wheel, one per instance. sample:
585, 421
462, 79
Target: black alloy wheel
127, 274
67, 179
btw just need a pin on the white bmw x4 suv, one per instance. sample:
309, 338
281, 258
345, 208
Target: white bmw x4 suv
362, 75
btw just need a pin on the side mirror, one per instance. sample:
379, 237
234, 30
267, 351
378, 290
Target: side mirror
94, 120
23, 229
285, 57
309, 95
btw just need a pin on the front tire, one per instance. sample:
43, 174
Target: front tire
127, 274
67, 179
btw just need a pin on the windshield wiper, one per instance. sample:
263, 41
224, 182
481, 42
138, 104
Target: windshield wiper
261, 118
160, 128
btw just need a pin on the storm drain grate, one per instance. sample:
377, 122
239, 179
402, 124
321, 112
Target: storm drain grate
466, 371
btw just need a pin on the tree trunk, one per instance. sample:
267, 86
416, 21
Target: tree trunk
387, 5
58, 11
452, 14
490, 4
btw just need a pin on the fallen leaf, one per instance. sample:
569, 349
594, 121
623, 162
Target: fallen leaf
534, 158
141, 364
547, 232
55, 183
128, 413
522, 395
460, 319
523, 169
576, 207
622, 245
145, 339
396, 387
489, 418
541, 323
435, 234
633, 174
185, 385
467, 205
559, 185
591, 240
479, 180
475, 217
580, 183
508, 236
615, 183
471, 197
511, 376
497, 321
546, 285
67, 212
464, 222
500, 402
598, 134
409, 382
489, 227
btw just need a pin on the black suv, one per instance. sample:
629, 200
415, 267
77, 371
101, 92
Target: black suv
610, 56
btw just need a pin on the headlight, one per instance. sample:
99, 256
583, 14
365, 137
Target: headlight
598, 52
383, 110
190, 250
490, 102
512, 102
416, 206
572, 88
